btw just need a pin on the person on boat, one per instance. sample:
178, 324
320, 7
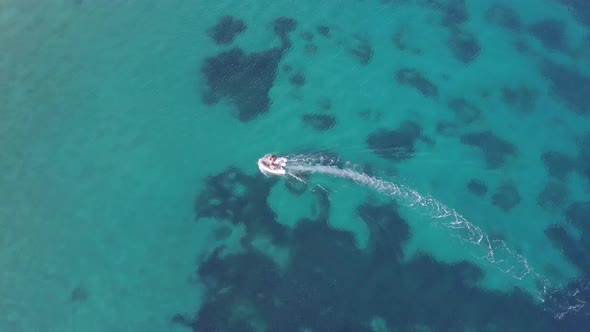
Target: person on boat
271, 161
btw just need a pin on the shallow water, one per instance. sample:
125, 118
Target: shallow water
443, 144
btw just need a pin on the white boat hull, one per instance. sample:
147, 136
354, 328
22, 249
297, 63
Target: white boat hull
281, 162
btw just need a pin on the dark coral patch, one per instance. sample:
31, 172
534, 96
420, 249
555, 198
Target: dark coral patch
414, 78
182, 320
307, 36
580, 9
583, 161
331, 286
297, 187
569, 85
228, 193
321, 206
551, 33
506, 197
504, 17
477, 187
303, 297
553, 196
578, 213
577, 249
226, 30
363, 50
398, 40
521, 46
464, 110
310, 48
240, 199
222, 233
244, 79
319, 122
558, 164
574, 252
365, 114
396, 145
428, 140
455, 12
522, 98
298, 80
79, 294
496, 150
283, 26
324, 30
464, 46
388, 229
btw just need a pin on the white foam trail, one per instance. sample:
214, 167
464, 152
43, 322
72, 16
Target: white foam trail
497, 252
494, 251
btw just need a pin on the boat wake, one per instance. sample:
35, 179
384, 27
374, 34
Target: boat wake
493, 251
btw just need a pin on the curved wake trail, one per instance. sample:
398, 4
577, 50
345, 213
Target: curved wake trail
494, 251
497, 252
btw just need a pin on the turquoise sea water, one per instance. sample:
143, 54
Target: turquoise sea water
441, 146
